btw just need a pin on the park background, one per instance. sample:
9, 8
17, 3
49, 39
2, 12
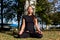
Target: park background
47, 12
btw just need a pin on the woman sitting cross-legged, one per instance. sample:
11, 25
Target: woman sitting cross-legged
29, 21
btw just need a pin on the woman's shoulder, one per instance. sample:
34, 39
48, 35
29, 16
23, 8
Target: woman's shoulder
35, 16
24, 16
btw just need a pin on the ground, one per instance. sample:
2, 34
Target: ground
47, 35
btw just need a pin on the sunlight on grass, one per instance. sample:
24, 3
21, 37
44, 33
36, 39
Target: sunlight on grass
47, 35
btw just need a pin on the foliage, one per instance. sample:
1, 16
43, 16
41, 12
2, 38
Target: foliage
21, 4
56, 18
9, 8
42, 10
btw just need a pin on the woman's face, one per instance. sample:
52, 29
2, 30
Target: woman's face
30, 10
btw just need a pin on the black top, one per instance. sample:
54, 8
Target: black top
29, 24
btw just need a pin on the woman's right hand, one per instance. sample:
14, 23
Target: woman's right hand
20, 33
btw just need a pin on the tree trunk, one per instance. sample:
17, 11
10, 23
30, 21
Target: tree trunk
42, 26
47, 27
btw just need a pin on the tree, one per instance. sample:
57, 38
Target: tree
20, 9
9, 9
56, 18
42, 10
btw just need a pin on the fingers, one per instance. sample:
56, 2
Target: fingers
20, 33
40, 32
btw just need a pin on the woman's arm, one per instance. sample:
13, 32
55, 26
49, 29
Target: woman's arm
37, 26
23, 27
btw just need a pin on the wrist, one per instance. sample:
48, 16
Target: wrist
39, 30
21, 31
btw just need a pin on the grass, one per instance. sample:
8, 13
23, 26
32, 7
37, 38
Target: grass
47, 35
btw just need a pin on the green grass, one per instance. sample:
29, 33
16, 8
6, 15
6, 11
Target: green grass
47, 35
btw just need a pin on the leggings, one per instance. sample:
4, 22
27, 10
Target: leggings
31, 35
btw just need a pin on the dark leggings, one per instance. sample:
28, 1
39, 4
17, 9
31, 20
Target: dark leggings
32, 35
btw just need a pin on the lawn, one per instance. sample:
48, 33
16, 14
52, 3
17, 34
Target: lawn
47, 35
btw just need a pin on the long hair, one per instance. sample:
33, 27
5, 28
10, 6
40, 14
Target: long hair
33, 16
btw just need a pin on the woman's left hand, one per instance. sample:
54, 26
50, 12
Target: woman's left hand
40, 32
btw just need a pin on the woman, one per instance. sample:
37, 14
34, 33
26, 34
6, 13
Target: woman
28, 22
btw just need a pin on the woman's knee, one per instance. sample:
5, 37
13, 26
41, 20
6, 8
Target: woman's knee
24, 35
41, 35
